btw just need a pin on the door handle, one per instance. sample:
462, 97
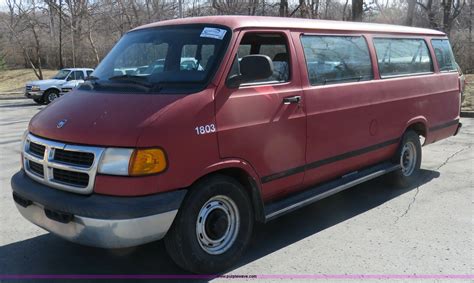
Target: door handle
291, 99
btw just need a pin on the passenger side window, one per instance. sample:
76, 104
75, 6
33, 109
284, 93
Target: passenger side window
402, 56
274, 45
336, 59
444, 55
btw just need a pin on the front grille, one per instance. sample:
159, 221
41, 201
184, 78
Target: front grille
36, 168
62, 166
74, 157
71, 177
37, 149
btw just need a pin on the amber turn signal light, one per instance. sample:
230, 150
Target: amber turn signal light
147, 161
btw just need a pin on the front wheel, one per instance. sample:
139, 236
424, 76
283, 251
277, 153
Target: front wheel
38, 100
213, 226
409, 158
50, 95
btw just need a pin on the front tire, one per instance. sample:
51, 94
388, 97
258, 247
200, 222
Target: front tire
409, 158
38, 100
50, 95
213, 226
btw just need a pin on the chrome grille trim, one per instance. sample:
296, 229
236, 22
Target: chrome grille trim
49, 164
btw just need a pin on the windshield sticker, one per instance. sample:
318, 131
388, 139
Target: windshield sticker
216, 33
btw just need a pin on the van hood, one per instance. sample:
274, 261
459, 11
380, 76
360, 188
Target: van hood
102, 119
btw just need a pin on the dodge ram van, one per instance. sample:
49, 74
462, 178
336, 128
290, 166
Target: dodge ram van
192, 130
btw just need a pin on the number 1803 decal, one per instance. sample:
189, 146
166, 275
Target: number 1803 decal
206, 129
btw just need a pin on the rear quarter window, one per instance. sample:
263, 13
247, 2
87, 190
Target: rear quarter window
399, 57
444, 55
336, 59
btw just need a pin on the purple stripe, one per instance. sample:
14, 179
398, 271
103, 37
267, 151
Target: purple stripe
235, 276
366, 276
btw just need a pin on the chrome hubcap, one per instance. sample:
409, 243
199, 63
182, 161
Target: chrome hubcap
408, 158
217, 225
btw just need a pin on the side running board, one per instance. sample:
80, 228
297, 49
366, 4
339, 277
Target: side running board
298, 200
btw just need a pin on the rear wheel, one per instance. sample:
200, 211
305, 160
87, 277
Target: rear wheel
409, 158
213, 226
50, 95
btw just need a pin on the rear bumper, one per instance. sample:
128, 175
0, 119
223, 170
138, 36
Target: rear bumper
96, 220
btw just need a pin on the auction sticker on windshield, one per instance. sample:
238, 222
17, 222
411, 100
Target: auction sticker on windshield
216, 33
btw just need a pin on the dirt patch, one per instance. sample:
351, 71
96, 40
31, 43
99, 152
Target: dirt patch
14, 80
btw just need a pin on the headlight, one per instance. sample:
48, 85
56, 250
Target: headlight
115, 161
35, 88
129, 162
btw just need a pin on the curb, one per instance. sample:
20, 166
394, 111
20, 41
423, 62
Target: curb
467, 114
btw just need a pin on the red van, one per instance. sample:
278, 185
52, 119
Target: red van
193, 129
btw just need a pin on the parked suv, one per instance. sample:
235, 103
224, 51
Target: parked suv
269, 115
45, 91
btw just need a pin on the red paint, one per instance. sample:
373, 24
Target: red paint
256, 132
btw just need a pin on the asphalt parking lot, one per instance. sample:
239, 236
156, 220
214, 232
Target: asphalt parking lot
373, 228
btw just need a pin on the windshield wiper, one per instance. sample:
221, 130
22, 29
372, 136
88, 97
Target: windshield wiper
138, 80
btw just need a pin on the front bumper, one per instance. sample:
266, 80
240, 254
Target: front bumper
96, 220
34, 94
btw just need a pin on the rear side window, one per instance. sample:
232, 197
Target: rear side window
444, 55
398, 57
336, 59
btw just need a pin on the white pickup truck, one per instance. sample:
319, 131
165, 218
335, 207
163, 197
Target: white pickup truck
45, 91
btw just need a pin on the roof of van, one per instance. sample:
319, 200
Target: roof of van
241, 22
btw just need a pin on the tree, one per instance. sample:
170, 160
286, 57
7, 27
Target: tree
410, 12
357, 10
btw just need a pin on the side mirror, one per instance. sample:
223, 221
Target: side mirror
252, 68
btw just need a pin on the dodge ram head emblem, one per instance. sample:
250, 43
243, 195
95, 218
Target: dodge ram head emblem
61, 123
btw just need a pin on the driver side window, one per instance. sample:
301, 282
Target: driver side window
273, 45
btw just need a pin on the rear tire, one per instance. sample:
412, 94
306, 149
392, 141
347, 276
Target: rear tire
409, 157
213, 226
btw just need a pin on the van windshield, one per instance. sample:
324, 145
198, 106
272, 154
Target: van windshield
175, 59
